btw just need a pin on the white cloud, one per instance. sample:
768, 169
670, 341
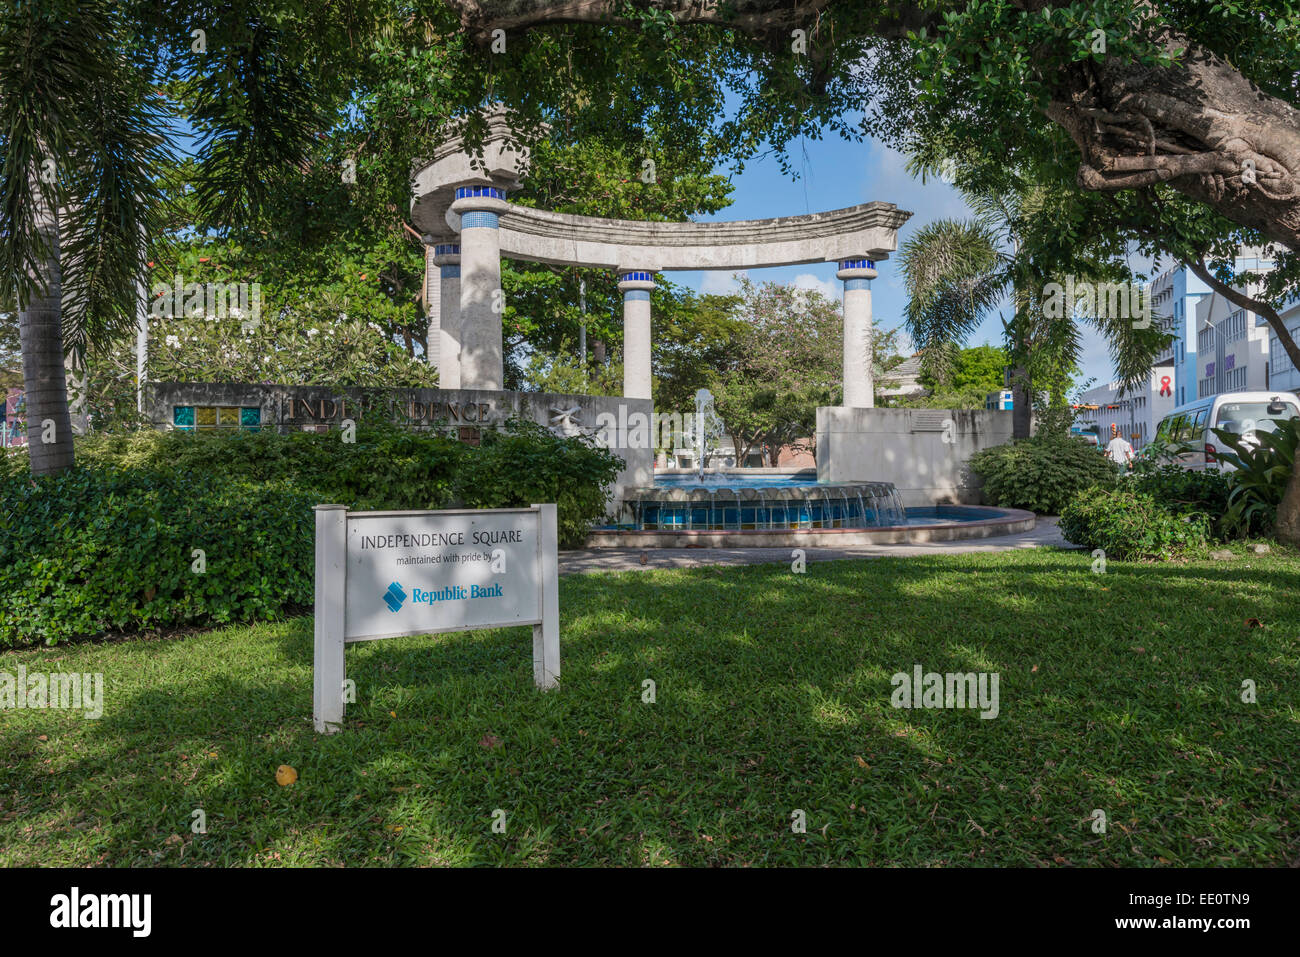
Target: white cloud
720, 283
827, 287
889, 180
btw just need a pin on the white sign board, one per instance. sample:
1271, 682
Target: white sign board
385, 574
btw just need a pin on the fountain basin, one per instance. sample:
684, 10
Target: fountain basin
761, 503
935, 523
755, 508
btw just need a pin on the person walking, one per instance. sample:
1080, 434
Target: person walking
1118, 450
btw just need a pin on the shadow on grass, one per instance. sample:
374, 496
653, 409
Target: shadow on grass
771, 696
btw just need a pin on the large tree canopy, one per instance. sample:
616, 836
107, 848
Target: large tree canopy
1176, 122
1197, 95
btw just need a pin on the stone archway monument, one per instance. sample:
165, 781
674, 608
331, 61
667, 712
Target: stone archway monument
463, 211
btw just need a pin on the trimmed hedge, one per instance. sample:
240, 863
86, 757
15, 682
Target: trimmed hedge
527, 464
1041, 474
392, 468
108, 546
96, 550
1131, 525
384, 468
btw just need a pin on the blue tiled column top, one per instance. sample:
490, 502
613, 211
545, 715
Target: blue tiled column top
447, 249
637, 277
469, 192
857, 264
450, 272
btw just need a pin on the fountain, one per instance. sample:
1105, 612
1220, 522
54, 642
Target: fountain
761, 502
707, 423
783, 506
778, 506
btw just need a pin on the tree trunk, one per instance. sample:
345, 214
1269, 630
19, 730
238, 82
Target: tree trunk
40, 334
1022, 408
1202, 127
1287, 527
741, 449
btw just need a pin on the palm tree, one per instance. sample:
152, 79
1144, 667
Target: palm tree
88, 89
81, 135
958, 272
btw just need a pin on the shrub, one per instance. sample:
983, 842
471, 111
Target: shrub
1041, 475
1262, 471
1130, 525
94, 550
107, 546
1181, 491
392, 468
386, 468
527, 463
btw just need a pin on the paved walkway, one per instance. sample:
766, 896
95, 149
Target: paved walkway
1044, 532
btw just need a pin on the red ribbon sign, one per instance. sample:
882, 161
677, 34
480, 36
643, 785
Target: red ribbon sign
1164, 386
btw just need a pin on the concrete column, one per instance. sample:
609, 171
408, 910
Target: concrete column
481, 299
859, 391
635, 287
446, 257
433, 303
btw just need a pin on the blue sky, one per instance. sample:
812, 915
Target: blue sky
833, 174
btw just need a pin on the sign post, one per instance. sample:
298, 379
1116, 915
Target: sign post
387, 574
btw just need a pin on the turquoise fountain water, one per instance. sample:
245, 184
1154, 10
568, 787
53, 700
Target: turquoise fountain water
719, 501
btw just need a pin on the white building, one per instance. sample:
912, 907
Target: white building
1232, 349
1283, 375
1136, 413
1174, 295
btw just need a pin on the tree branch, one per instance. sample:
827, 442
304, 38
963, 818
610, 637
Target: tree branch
1204, 127
754, 17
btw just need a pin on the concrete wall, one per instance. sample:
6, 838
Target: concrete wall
924, 452
461, 411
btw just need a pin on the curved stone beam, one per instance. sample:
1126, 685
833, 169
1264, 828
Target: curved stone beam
503, 160
870, 230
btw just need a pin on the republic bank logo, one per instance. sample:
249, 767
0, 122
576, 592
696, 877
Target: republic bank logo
394, 597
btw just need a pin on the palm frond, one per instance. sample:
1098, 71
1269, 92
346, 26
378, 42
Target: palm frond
119, 209
259, 97
954, 277
51, 54
1133, 349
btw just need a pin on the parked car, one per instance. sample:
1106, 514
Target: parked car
1089, 433
1189, 428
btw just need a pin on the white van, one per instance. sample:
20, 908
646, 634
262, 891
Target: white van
1241, 412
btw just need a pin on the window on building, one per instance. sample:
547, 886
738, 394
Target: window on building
1234, 327
1278, 360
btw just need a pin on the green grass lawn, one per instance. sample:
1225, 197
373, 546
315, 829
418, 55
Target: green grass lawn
1119, 692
